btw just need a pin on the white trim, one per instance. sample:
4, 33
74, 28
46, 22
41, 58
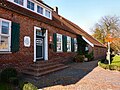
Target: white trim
5, 52
88, 41
34, 44
46, 45
35, 7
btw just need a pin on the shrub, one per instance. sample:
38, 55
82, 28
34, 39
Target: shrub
107, 66
29, 86
8, 73
90, 56
79, 58
21, 84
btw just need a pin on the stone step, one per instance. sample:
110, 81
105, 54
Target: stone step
38, 74
40, 65
36, 69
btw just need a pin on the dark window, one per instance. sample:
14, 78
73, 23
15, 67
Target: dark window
39, 9
19, 2
47, 13
30, 5
5, 27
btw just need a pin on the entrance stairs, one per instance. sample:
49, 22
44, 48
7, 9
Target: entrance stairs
41, 68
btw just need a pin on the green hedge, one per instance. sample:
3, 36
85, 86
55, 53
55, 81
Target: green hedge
106, 66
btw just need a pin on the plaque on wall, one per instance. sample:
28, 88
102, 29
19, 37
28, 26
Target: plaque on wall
27, 41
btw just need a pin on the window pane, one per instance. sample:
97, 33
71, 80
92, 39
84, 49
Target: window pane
47, 13
59, 42
4, 43
39, 33
68, 44
19, 2
39, 9
30, 5
75, 44
5, 27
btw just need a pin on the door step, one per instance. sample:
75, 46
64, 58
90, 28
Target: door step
40, 69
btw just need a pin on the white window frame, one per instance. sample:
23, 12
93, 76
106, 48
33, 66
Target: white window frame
75, 44
35, 7
68, 38
9, 35
61, 43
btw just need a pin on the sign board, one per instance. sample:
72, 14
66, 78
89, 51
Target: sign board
27, 41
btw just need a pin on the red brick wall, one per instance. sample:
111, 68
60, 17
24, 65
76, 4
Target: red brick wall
25, 55
99, 52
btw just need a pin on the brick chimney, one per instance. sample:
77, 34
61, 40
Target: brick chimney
56, 9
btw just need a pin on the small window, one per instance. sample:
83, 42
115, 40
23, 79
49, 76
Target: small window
59, 42
40, 9
19, 2
5, 35
30, 5
86, 48
47, 13
75, 45
68, 44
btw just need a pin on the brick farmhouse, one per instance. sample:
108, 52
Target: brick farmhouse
32, 31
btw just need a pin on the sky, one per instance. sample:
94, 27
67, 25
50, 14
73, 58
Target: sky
85, 13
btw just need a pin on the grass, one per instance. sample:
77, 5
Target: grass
115, 64
5, 86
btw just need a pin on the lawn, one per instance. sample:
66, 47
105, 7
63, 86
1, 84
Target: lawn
115, 64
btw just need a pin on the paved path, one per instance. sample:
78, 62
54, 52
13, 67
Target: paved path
81, 76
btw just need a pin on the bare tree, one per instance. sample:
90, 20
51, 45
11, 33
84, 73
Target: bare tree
108, 25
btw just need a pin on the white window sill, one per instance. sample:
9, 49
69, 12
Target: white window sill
2, 52
68, 51
59, 51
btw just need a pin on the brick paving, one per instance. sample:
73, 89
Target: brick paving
80, 76
97, 79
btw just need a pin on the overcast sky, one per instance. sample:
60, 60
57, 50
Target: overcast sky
86, 13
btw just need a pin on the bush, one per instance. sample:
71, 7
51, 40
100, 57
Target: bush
8, 73
29, 86
79, 58
90, 56
107, 66
21, 84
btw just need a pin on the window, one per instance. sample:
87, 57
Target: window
5, 35
59, 42
40, 9
35, 7
68, 44
19, 2
75, 44
30, 5
86, 48
47, 13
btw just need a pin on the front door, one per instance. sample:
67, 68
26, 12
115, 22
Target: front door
39, 45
